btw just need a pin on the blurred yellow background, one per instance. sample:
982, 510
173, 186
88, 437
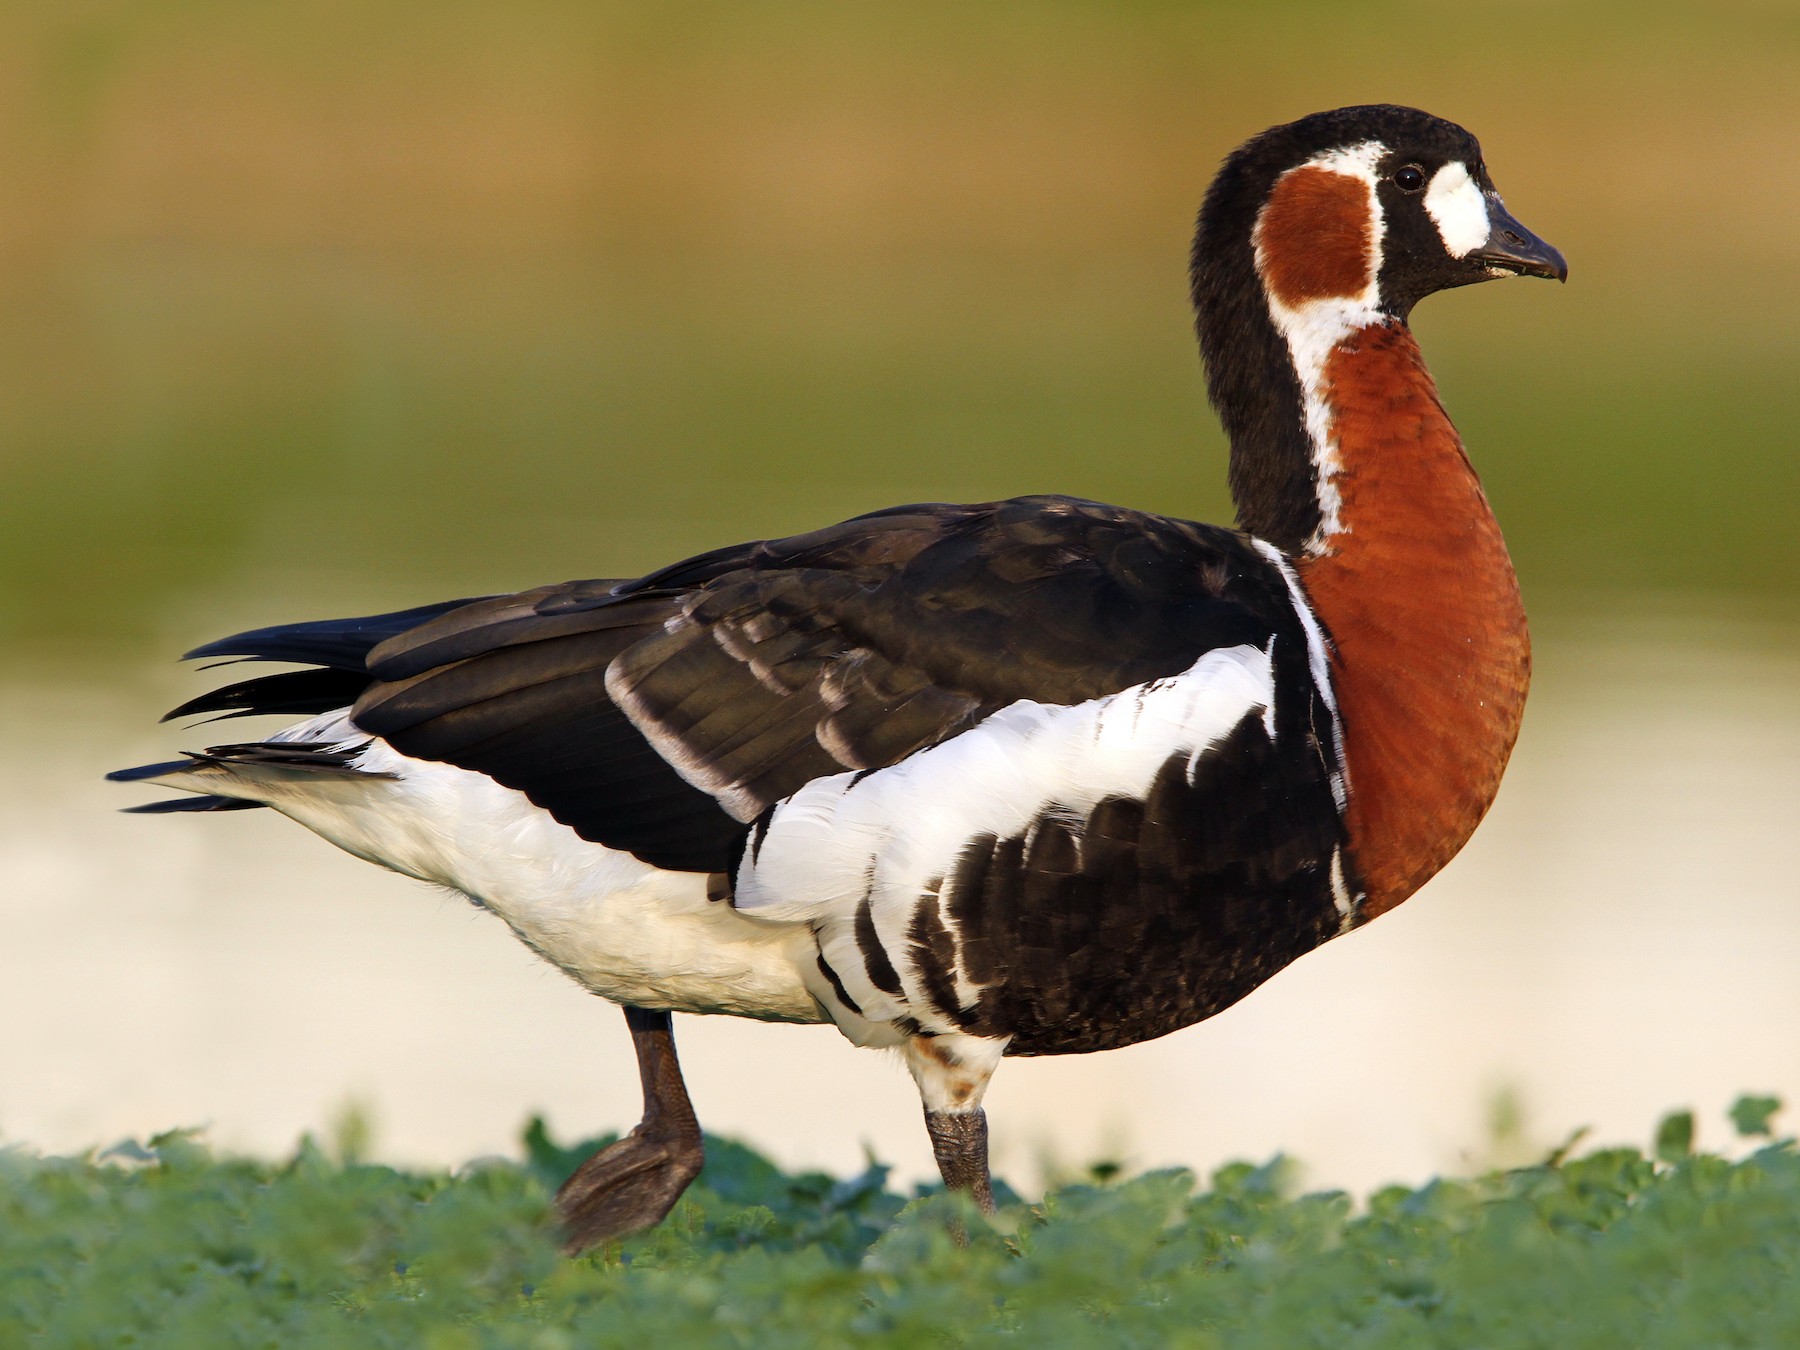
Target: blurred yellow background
313, 309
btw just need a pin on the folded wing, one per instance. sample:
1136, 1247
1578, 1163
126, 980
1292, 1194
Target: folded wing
662, 716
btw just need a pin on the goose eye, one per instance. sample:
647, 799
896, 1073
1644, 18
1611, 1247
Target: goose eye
1409, 179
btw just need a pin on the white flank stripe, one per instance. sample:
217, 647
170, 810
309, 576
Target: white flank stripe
1456, 206
909, 822
1341, 899
1318, 663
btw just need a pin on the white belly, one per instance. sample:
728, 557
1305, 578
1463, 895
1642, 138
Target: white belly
628, 931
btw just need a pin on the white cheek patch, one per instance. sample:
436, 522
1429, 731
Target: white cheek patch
1456, 206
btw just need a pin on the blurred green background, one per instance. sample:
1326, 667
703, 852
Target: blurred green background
348, 304
312, 309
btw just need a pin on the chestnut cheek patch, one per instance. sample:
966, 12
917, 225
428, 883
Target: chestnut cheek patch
1315, 237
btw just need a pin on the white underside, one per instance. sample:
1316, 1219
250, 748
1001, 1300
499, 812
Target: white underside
628, 931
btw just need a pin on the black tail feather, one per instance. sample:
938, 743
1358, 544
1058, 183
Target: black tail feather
340, 644
144, 771
295, 691
320, 757
207, 803
317, 757
335, 649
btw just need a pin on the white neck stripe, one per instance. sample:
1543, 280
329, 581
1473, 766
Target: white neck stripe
1314, 329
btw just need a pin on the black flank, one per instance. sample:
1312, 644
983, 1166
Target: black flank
1149, 916
875, 958
837, 986
933, 952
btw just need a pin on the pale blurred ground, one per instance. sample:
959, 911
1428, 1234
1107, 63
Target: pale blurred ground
316, 308
1619, 939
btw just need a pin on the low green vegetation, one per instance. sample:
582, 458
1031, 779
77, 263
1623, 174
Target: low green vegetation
170, 1245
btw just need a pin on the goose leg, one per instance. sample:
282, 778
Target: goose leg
633, 1183
952, 1073
960, 1141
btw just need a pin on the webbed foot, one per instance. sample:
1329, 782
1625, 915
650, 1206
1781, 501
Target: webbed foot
628, 1185
633, 1184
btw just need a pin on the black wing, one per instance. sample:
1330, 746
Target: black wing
662, 715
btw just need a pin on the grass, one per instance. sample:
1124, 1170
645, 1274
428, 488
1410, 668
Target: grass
170, 1245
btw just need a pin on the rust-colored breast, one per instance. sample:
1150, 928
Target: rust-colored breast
1422, 603
1315, 237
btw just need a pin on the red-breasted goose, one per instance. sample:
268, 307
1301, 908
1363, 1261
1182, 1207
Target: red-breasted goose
1031, 777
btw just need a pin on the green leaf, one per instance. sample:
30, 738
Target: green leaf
1750, 1115
1675, 1136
